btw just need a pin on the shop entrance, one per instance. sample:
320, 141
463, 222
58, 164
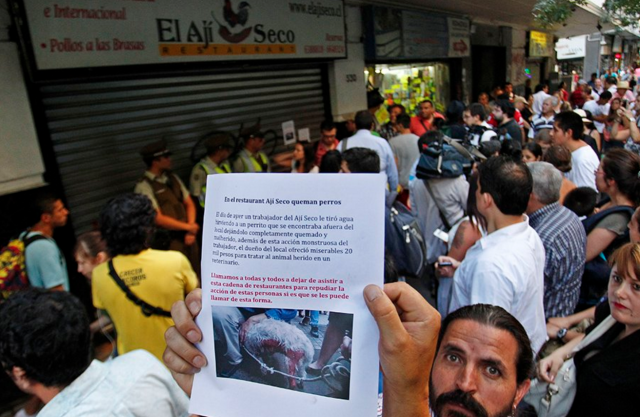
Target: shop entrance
409, 84
489, 68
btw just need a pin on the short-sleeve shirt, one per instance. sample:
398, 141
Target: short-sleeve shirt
614, 222
584, 164
159, 278
46, 266
144, 188
506, 268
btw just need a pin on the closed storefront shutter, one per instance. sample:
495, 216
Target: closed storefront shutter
98, 127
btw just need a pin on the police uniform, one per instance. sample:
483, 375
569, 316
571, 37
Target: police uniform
246, 162
199, 173
167, 194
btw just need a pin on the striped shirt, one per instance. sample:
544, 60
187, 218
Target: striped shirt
540, 122
565, 242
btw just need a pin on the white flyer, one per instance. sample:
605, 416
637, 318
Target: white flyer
304, 135
286, 331
289, 132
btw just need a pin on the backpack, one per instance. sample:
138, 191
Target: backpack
596, 272
13, 270
403, 240
440, 160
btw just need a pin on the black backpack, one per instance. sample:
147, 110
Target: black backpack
441, 160
404, 242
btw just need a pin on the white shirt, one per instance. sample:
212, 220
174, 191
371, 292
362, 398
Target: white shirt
597, 110
538, 99
364, 139
506, 269
584, 164
135, 384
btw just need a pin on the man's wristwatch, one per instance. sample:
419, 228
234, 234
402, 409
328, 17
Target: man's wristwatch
561, 334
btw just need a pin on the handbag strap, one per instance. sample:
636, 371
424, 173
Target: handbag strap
426, 129
147, 309
596, 333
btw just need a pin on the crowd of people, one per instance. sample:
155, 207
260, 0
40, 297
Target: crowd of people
529, 250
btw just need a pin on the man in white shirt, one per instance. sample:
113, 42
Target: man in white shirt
599, 110
542, 93
567, 131
45, 346
506, 267
364, 139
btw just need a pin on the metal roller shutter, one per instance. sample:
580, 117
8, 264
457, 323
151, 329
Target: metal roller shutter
97, 128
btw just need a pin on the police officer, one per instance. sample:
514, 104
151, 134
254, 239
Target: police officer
250, 158
219, 148
176, 211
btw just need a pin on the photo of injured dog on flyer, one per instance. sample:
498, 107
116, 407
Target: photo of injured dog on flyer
301, 350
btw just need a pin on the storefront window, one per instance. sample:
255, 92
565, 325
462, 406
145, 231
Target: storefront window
409, 84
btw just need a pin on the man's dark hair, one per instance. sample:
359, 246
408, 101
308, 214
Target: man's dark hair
593, 74
606, 95
46, 334
508, 182
477, 109
327, 125
127, 223
374, 98
44, 204
582, 201
507, 107
454, 112
570, 120
611, 80
364, 120
404, 120
361, 160
397, 106
331, 162
498, 318
425, 101
541, 87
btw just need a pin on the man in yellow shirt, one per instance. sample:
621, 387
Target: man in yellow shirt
139, 285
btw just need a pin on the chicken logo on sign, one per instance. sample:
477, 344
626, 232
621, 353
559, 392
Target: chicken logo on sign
233, 19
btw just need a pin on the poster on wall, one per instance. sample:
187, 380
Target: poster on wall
540, 44
100, 33
459, 42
